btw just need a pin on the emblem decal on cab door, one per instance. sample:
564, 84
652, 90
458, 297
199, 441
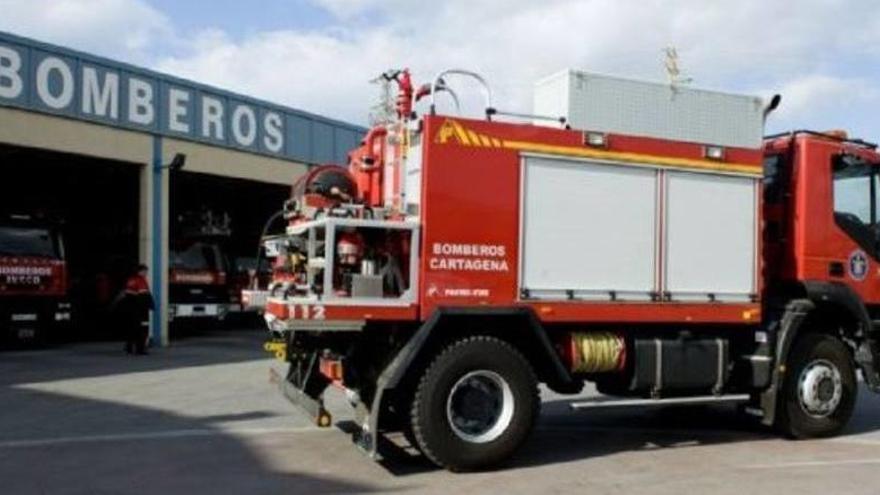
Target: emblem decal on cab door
858, 265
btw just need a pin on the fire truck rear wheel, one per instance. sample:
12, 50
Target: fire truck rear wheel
475, 404
820, 388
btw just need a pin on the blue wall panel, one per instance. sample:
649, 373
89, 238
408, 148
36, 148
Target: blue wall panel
299, 137
323, 143
346, 140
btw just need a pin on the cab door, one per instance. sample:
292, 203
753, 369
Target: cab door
856, 248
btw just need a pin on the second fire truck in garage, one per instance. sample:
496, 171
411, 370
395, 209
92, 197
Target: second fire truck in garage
34, 288
650, 241
198, 268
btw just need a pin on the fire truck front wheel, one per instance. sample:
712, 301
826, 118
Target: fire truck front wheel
820, 388
475, 404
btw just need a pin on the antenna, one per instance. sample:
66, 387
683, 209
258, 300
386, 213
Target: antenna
383, 111
673, 72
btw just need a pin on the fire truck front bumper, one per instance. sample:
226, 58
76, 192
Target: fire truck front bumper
22, 318
197, 311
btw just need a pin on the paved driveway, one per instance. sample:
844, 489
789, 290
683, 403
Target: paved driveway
202, 417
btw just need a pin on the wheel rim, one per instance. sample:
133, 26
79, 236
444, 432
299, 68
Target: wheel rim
480, 406
820, 388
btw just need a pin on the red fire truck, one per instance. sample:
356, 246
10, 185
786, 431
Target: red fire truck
197, 278
33, 279
645, 237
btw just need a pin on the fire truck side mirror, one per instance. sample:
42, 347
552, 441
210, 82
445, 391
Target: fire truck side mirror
773, 105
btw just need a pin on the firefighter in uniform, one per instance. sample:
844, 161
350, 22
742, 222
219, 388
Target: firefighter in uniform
134, 308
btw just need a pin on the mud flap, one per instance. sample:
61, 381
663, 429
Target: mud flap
793, 316
367, 436
304, 387
867, 358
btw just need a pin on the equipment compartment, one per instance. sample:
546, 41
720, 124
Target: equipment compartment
597, 230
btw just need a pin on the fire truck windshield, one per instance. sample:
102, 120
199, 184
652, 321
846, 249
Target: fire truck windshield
28, 241
855, 191
196, 257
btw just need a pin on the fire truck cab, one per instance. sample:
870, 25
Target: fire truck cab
640, 236
820, 199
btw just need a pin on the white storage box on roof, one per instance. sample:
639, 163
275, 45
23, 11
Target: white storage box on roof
611, 104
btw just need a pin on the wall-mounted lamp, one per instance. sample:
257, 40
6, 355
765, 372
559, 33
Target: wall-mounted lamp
177, 163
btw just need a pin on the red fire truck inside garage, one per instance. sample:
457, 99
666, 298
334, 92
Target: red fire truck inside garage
651, 241
34, 292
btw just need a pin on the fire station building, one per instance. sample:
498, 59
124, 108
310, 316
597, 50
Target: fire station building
99, 144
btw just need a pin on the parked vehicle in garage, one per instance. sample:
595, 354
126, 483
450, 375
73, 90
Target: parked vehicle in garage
648, 239
33, 279
247, 273
197, 282
198, 288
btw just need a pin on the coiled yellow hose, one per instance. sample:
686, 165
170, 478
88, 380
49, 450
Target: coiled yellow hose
596, 352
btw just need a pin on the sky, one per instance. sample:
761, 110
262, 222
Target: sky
320, 55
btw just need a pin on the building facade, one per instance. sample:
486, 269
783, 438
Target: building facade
59, 106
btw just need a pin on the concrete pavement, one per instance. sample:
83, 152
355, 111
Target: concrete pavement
202, 417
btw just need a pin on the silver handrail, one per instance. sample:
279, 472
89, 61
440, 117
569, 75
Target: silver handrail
561, 120
455, 100
439, 80
442, 87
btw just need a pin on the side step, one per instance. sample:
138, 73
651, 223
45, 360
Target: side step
604, 403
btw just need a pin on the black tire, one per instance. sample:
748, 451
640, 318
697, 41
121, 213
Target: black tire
794, 419
433, 431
